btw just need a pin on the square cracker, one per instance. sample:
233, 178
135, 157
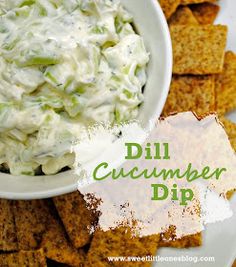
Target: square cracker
168, 239
226, 85
31, 222
76, 217
8, 238
230, 128
24, 258
188, 2
169, 6
120, 242
198, 49
57, 247
205, 13
182, 16
191, 93
230, 194
189, 241
226, 97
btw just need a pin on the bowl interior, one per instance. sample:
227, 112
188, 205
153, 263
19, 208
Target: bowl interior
151, 24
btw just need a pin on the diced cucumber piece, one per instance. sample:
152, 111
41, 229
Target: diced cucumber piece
27, 3
23, 12
37, 60
98, 29
73, 105
118, 24
80, 90
56, 3
117, 116
60, 76
10, 42
45, 8
50, 78
128, 94
52, 102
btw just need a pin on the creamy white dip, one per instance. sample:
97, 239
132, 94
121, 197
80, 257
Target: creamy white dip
64, 64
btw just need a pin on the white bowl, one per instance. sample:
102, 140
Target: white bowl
151, 24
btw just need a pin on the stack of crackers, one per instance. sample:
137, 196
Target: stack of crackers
33, 232
204, 74
56, 232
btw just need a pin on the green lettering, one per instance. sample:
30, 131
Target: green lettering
156, 195
105, 166
130, 152
186, 195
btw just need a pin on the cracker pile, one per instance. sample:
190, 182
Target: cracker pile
204, 74
32, 232
55, 232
